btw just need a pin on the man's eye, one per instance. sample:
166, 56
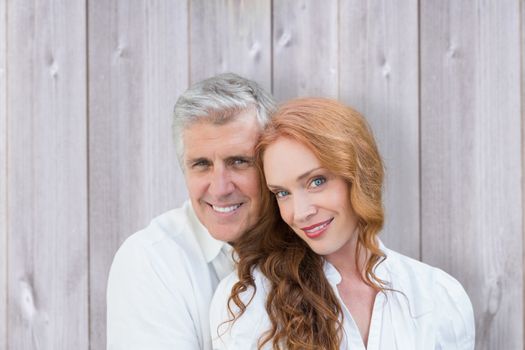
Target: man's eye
240, 163
318, 181
200, 164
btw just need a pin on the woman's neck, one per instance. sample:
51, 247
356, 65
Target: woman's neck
344, 260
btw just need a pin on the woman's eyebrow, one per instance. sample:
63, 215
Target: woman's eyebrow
306, 174
274, 187
299, 178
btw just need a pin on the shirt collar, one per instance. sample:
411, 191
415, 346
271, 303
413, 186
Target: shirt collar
334, 277
391, 271
210, 246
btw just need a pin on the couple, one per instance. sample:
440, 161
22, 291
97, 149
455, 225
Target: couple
294, 194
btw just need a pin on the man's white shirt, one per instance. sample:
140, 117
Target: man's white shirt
161, 283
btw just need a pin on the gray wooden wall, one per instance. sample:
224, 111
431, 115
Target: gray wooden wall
86, 157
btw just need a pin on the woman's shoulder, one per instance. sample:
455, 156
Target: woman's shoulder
430, 290
419, 275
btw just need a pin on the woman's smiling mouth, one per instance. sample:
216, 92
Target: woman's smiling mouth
316, 230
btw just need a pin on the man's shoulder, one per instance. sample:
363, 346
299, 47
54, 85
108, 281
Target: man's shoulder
170, 233
152, 281
152, 253
173, 225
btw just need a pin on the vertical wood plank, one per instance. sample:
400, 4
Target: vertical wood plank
471, 161
378, 75
138, 65
305, 48
47, 198
3, 175
522, 128
231, 36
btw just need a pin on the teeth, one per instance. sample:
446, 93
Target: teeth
225, 209
320, 227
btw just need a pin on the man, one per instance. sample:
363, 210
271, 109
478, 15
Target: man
162, 278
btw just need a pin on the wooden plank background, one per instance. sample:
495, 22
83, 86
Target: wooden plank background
136, 71
87, 90
47, 228
3, 176
305, 49
231, 35
471, 158
378, 74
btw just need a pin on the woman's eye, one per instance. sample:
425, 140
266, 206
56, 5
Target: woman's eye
318, 181
281, 194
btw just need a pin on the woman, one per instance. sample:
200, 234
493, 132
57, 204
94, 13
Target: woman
317, 276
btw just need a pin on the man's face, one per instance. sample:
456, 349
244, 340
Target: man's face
221, 176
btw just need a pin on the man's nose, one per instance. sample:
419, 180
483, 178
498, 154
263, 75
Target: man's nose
220, 183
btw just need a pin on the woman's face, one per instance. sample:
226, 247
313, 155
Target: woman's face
312, 201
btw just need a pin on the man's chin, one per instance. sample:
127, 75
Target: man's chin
225, 234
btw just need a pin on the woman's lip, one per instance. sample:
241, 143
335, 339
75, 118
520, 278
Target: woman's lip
308, 230
316, 225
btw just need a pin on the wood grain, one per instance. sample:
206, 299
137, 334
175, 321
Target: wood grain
522, 128
305, 49
471, 161
231, 36
47, 176
378, 75
86, 153
3, 175
137, 68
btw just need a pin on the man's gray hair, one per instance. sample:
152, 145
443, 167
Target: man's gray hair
218, 100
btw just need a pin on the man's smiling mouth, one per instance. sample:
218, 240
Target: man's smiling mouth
225, 209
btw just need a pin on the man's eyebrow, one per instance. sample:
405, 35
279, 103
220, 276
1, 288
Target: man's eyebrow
299, 178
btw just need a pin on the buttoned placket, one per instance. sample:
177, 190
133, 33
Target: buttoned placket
352, 338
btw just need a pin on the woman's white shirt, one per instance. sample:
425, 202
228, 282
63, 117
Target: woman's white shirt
426, 309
